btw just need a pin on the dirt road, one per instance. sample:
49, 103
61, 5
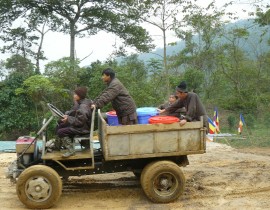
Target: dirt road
222, 178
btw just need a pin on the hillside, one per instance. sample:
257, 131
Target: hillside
253, 45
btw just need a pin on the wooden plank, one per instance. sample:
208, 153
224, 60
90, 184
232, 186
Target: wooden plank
57, 155
141, 128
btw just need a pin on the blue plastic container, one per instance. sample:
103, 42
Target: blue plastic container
144, 113
112, 118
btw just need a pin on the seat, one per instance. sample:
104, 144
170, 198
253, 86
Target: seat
82, 140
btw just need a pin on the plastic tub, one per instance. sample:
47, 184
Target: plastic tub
144, 113
112, 118
163, 119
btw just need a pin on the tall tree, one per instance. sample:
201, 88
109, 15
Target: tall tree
163, 15
88, 17
203, 28
62, 74
22, 31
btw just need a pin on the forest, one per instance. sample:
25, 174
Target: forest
226, 64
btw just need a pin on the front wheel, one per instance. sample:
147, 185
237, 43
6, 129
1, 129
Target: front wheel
163, 181
39, 187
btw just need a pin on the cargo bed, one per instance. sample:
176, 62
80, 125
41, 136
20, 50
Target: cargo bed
150, 140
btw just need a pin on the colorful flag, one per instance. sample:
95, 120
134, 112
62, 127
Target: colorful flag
212, 127
241, 123
216, 120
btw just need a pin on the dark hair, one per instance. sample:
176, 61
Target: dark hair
182, 87
81, 92
109, 72
175, 96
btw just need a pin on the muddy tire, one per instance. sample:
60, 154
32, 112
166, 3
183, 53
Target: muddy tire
39, 187
163, 181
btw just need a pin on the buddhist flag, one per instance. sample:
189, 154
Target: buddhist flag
212, 127
241, 123
216, 120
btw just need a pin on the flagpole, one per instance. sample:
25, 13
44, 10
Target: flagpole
248, 130
227, 141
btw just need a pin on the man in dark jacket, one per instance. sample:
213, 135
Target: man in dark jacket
191, 101
171, 100
77, 121
118, 95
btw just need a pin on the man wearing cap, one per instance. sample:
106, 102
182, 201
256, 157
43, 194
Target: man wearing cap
191, 101
118, 95
76, 121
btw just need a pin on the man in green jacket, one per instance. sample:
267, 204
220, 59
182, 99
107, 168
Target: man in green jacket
118, 95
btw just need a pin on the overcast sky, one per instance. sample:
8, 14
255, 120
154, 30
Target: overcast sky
56, 45
101, 45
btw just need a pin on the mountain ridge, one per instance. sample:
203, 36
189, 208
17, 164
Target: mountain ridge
253, 40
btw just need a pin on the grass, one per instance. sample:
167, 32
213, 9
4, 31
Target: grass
255, 137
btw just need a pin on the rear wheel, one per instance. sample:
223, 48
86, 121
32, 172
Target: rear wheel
163, 181
39, 187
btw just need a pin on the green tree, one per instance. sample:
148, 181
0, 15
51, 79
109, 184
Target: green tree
22, 31
41, 91
17, 64
92, 77
263, 18
164, 15
62, 74
242, 89
19, 115
133, 74
87, 17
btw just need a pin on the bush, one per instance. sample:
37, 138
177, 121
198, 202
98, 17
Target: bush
250, 120
231, 122
266, 120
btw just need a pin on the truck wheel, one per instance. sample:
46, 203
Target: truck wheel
39, 187
163, 181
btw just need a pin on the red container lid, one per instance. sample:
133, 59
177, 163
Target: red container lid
163, 119
111, 113
24, 139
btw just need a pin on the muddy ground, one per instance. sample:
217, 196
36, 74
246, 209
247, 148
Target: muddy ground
222, 178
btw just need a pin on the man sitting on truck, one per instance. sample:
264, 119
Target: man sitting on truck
77, 121
171, 100
191, 101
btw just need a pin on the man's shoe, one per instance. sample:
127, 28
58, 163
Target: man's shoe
70, 152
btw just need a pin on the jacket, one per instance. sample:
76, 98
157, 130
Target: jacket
119, 96
79, 118
194, 108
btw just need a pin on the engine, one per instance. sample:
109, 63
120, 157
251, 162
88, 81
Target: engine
25, 149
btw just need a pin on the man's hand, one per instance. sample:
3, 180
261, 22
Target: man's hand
183, 122
160, 111
65, 118
93, 106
